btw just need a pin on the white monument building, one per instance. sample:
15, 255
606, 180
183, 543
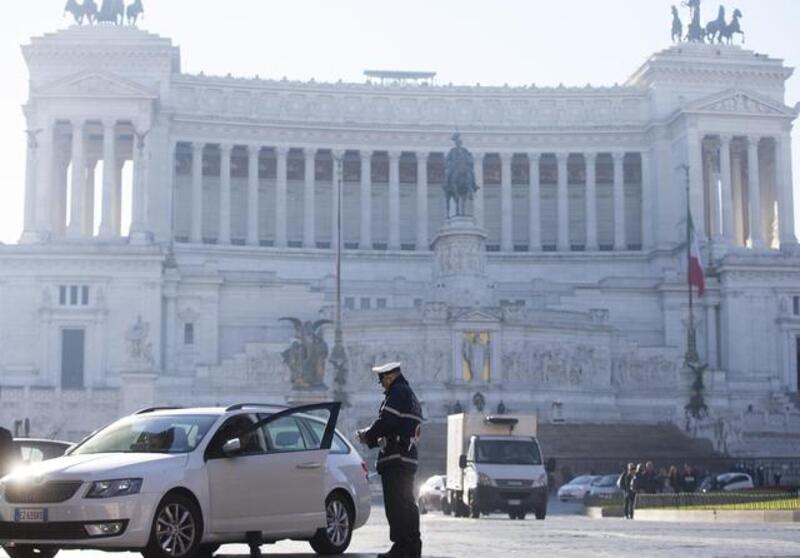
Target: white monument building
569, 297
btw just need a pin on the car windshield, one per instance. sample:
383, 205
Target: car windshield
149, 434
608, 480
583, 479
508, 452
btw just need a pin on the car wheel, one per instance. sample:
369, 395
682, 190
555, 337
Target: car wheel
421, 505
474, 510
177, 529
335, 538
540, 513
24, 551
512, 515
446, 506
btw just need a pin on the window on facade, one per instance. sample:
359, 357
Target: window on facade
436, 168
418, 303
295, 165
211, 162
548, 170
62, 295
239, 163
349, 303
183, 159
797, 363
72, 358
85, 295
324, 168
365, 303
73, 295
520, 170
267, 166
380, 168
188, 334
796, 306
351, 167
381, 303
633, 168
408, 169
492, 169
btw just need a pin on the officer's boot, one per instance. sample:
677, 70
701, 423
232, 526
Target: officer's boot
254, 541
394, 552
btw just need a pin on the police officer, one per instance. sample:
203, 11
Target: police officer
6, 451
396, 432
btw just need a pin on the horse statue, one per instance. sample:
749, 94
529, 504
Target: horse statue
134, 11
86, 11
460, 183
677, 26
715, 28
732, 28
696, 32
112, 11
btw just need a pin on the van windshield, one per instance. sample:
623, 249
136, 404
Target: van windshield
508, 452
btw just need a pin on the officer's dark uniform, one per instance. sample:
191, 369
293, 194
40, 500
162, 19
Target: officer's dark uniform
6, 451
396, 432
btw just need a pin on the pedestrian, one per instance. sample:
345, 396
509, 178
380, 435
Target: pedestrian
396, 432
638, 483
652, 480
673, 481
688, 479
624, 484
6, 451
777, 476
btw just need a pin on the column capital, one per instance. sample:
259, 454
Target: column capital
478, 156
618, 156
337, 154
754, 140
281, 150
226, 148
109, 123
198, 146
253, 149
78, 121
422, 156
726, 138
394, 156
562, 156
534, 157
506, 157
310, 152
590, 156
365, 154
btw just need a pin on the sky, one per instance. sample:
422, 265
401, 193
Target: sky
492, 42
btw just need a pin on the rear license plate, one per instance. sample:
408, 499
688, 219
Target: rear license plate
514, 502
30, 515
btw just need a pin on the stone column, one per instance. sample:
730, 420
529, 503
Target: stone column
109, 172
394, 200
563, 203
29, 227
117, 201
224, 236
336, 155
365, 236
309, 199
506, 210
648, 214
74, 229
139, 222
783, 158
44, 179
754, 193
280, 197
711, 335
726, 187
620, 243
694, 145
737, 184
591, 202
478, 162
58, 200
253, 152
197, 193
534, 204
171, 321
88, 199
423, 240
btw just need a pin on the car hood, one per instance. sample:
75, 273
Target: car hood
103, 466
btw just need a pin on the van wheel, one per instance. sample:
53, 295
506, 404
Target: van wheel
335, 538
24, 551
540, 513
446, 506
474, 511
177, 529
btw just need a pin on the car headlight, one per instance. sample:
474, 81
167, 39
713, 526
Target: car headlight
541, 481
485, 480
113, 488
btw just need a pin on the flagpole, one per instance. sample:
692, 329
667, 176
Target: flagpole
338, 357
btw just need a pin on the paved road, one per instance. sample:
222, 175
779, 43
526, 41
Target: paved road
563, 534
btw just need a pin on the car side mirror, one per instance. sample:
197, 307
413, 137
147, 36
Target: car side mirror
232, 447
550, 465
462, 461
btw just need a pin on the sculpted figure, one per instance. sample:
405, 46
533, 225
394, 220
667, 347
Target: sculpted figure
677, 26
696, 34
112, 11
134, 11
307, 354
715, 28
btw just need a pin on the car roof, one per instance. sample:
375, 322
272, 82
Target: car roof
41, 441
216, 410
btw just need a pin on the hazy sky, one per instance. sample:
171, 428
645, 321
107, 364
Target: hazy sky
546, 42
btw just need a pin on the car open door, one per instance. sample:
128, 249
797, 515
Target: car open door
295, 469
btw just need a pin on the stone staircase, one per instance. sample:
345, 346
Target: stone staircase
602, 448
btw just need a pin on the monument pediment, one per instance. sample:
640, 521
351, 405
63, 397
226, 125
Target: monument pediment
739, 101
95, 85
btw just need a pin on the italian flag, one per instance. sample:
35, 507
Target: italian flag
696, 271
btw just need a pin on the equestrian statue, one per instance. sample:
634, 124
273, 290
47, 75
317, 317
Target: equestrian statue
459, 185
716, 32
111, 11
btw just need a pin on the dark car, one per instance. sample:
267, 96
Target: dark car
431, 494
33, 450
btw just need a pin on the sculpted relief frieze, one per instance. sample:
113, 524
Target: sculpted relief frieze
549, 365
631, 371
430, 364
305, 104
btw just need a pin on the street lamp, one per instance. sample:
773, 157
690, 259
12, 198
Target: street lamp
338, 357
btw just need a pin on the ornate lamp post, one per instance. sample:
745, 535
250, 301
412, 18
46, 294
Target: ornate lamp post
338, 356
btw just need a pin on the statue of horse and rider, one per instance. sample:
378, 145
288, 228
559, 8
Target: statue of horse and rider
459, 185
112, 11
716, 31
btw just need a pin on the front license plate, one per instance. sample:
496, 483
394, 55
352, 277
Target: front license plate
514, 502
30, 515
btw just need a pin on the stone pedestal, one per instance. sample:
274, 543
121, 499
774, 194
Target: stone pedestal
459, 272
309, 396
138, 390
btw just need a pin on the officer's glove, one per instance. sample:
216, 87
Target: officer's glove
362, 436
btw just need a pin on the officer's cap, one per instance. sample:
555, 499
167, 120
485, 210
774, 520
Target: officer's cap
387, 368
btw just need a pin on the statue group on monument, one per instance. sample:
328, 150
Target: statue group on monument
459, 185
111, 11
307, 354
715, 31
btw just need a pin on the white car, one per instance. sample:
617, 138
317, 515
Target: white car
727, 482
177, 483
605, 487
577, 488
